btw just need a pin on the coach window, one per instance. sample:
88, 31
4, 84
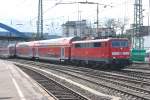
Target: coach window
23, 45
97, 44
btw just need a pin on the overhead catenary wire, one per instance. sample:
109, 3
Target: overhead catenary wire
59, 1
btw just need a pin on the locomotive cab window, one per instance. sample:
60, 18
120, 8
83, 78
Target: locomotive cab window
124, 43
117, 43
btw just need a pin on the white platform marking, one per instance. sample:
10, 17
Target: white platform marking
18, 89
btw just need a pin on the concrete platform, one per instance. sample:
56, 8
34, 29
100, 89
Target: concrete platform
16, 85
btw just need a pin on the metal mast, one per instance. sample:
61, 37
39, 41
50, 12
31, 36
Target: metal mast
40, 20
138, 40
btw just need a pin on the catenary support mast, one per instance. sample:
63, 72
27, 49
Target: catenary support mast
40, 20
138, 40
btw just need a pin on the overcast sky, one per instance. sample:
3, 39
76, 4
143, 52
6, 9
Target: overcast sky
22, 14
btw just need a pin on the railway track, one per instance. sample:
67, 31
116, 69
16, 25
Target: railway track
124, 86
142, 66
138, 74
55, 89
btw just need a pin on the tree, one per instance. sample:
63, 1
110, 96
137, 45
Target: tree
116, 24
110, 23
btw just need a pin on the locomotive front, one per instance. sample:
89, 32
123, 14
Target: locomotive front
119, 52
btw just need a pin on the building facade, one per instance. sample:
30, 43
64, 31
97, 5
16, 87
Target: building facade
76, 28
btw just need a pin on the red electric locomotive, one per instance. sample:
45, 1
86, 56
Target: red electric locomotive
102, 52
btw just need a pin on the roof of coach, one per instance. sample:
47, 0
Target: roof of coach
25, 44
58, 41
99, 40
